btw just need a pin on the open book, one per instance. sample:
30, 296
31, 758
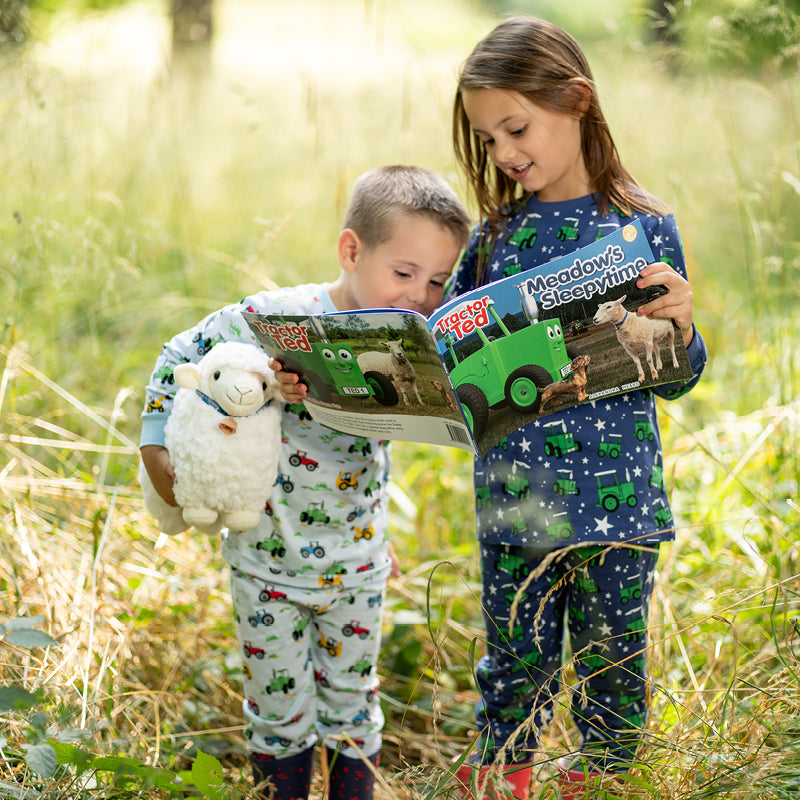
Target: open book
491, 360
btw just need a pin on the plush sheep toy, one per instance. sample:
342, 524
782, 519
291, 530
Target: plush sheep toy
223, 437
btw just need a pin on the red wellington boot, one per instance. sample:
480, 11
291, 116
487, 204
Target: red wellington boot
488, 782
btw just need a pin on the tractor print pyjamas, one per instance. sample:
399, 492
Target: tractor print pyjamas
605, 593
321, 682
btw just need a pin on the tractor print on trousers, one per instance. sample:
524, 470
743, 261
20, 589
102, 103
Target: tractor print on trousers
298, 631
281, 681
251, 650
513, 565
355, 628
315, 512
313, 549
274, 546
333, 646
559, 528
269, 592
261, 617
516, 634
628, 593
611, 446
558, 440
511, 368
362, 667
611, 492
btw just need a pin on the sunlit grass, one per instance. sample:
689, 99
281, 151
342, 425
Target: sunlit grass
132, 204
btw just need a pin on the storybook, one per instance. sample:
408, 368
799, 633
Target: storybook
491, 360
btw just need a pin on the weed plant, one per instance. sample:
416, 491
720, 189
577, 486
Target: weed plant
134, 203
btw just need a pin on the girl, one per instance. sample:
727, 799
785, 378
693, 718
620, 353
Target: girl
538, 154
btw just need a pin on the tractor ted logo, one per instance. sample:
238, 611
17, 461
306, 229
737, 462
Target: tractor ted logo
286, 337
501, 361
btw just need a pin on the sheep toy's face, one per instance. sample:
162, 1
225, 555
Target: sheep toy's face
234, 375
239, 392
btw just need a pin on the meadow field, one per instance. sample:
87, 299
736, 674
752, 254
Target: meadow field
134, 199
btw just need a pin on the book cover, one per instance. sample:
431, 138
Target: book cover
491, 360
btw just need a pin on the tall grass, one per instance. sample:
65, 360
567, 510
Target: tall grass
134, 202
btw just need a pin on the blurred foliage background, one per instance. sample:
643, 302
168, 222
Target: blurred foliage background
159, 159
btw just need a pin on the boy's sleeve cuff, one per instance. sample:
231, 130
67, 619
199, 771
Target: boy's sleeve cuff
153, 430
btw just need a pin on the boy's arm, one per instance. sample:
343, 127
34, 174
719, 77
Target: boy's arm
157, 462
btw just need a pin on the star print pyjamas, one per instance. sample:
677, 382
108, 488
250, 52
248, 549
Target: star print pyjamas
604, 594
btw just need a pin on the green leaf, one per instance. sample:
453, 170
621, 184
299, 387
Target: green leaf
41, 759
206, 775
16, 698
30, 639
21, 623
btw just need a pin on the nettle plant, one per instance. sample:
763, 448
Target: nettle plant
43, 752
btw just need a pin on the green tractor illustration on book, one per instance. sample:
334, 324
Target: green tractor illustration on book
513, 368
332, 369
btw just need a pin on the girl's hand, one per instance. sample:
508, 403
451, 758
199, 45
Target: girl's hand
158, 464
292, 389
676, 304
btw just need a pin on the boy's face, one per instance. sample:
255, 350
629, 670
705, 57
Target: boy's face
408, 271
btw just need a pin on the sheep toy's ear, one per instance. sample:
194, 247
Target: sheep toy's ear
187, 376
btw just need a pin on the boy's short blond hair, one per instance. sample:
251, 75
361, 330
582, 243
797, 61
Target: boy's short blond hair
381, 196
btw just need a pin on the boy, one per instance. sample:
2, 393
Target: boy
300, 583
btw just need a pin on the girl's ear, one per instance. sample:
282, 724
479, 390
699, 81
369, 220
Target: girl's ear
578, 96
349, 247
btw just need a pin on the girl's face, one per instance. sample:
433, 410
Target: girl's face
539, 149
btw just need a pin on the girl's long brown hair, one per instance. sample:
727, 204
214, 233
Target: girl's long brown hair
546, 65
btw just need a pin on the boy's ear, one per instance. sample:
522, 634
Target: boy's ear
349, 247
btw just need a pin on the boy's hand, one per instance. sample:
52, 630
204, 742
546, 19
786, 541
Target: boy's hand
395, 570
292, 389
676, 304
157, 462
